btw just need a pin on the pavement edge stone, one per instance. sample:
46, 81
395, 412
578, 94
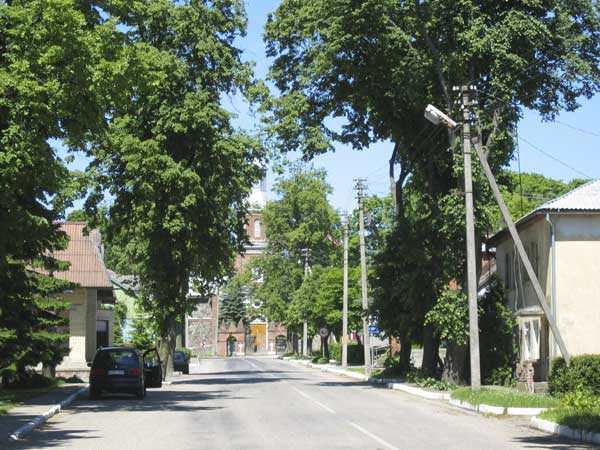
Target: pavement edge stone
39, 420
564, 431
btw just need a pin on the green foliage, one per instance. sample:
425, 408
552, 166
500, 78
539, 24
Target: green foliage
583, 373
579, 409
421, 380
143, 334
497, 346
509, 398
356, 353
185, 350
318, 359
301, 218
177, 168
450, 316
374, 65
51, 91
120, 320
235, 299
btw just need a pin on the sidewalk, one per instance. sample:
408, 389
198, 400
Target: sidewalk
31, 410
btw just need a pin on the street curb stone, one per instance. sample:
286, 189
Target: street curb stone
390, 384
39, 420
564, 431
496, 410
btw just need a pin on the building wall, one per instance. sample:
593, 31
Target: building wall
90, 324
578, 281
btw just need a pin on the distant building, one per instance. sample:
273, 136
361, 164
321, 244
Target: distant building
91, 315
562, 241
204, 333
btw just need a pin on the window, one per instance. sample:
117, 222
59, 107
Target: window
257, 232
530, 339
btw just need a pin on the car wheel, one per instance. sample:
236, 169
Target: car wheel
141, 393
94, 394
186, 372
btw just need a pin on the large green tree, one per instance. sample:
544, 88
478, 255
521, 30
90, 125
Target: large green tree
51, 55
375, 65
178, 170
301, 227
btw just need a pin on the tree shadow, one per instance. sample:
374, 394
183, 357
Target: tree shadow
553, 442
50, 434
345, 384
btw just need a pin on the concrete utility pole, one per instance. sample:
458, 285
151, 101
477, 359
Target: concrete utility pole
217, 297
363, 279
345, 300
306, 253
522, 253
471, 263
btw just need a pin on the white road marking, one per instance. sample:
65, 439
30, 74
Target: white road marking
303, 394
372, 436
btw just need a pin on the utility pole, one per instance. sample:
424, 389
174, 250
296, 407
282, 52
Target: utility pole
306, 253
345, 300
512, 229
471, 263
363, 279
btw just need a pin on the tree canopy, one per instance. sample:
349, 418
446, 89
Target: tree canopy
374, 65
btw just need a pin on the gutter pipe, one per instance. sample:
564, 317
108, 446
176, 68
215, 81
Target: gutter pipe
553, 275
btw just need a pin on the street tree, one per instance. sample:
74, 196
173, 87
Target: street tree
374, 65
301, 228
50, 91
177, 169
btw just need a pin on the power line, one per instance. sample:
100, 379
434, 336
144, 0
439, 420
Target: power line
581, 130
535, 147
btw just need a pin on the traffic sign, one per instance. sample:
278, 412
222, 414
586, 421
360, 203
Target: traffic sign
373, 329
324, 332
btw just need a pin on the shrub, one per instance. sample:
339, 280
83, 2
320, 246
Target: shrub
583, 374
185, 350
356, 355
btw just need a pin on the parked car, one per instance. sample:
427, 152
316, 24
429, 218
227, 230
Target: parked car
181, 362
124, 369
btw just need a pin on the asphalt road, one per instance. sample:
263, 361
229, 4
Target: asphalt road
263, 403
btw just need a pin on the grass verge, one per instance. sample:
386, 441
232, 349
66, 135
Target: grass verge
587, 420
15, 396
375, 373
509, 398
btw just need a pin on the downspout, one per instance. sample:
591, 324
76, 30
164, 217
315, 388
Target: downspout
553, 277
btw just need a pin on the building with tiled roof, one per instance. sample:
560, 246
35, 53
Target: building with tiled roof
91, 314
562, 240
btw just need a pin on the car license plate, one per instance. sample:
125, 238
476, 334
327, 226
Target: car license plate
116, 372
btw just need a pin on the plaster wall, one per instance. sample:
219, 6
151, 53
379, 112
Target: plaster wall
578, 282
519, 293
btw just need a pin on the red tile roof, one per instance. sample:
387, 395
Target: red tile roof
84, 253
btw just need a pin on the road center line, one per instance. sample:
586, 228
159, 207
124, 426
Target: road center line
372, 436
305, 395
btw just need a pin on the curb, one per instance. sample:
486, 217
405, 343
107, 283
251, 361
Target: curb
564, 431
496, 410
390, 384
39, 420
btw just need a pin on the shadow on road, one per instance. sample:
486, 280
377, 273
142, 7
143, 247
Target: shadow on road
50, 435
553, 442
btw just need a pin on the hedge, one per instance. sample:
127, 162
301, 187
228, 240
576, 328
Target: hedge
582, 374
356, 355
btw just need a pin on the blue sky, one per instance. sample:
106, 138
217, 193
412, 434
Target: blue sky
574, 139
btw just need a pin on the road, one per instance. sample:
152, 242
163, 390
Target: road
264, 403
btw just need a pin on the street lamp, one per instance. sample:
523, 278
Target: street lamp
436, 117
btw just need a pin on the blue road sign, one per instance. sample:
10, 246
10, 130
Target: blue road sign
373, 329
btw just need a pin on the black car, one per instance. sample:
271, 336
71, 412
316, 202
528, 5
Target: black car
181, 362
124, 369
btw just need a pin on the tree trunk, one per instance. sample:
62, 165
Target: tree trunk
168, 341
454, 364
431, 349
405, 350
49, 370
